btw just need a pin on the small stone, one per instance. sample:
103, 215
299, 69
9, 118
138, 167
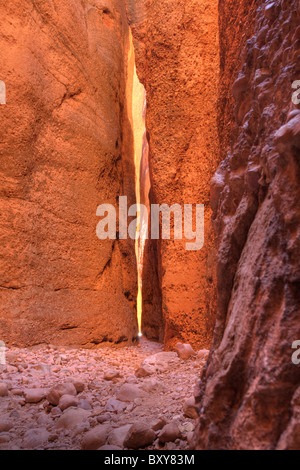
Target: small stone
5, 425
59, 390
53, 437
43, 420
78, 384
45, 368
103, 418
17, 392
115, 406
144, 371
158, 424
66, 401
71, 418
95, 438
132, 379
55, 412
184, 351
4, 437
80, 428
84, 404
111, 375
150, 385
35, 395
203, 354
118, 435
11, 357
139, 435
190, 409
3, 389
169, 433
162, 361
187, 427
128, 393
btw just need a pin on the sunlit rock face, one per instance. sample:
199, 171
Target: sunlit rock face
66, 147
176, 45
249, 395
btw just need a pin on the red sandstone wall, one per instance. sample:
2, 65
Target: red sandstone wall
249, 395
66, 147
176, 44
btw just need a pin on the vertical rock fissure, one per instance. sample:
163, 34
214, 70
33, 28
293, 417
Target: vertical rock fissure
177, 56
141, 169
142, 182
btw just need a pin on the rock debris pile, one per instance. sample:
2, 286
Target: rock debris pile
130, 398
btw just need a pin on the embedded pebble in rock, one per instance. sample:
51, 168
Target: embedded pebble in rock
169, 433
184, 351
139, 436
33, 398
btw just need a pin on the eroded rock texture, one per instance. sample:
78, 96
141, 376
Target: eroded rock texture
66, 147
249, 395
176, 45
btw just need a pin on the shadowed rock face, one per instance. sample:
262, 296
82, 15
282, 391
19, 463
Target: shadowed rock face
176, 45
249, 395
66, 147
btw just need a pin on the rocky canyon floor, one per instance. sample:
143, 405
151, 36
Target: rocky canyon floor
106, 398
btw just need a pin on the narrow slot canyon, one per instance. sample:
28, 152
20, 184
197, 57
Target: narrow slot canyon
142, 182
150, 225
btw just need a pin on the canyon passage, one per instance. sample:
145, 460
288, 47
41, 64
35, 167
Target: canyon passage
117, 342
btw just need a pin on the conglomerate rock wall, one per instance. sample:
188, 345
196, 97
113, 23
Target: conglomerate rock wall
249, 394
66, 147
